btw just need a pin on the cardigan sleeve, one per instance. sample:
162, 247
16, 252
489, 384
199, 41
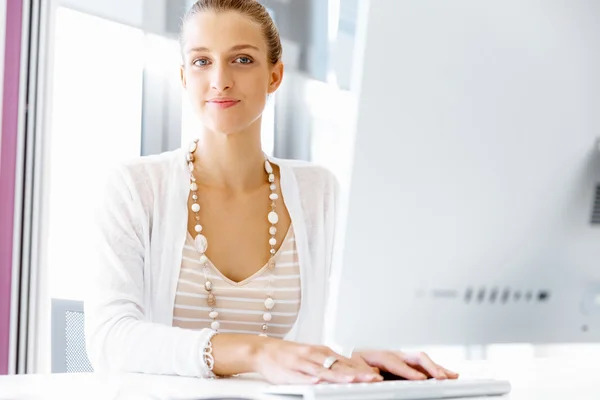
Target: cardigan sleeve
118, 336
334, 215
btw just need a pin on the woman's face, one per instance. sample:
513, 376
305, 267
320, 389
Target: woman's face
226, 71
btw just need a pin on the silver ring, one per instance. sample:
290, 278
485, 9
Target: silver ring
329, 361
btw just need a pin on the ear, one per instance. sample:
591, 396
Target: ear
183, 80
276, 76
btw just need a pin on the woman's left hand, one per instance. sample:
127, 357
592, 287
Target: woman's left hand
411, 366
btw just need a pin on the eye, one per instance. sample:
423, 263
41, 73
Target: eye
201, 62
244, 60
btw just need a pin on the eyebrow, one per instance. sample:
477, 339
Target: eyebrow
234, 48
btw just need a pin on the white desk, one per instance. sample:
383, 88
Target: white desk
535, 380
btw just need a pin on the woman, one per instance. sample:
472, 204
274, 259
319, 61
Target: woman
215, 259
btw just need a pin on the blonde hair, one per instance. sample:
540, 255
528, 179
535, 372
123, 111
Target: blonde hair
250, 8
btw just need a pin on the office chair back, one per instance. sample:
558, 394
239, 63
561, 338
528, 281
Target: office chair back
68, 337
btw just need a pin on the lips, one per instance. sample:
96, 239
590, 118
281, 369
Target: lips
223, 102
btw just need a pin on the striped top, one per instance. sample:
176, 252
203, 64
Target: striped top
240, 304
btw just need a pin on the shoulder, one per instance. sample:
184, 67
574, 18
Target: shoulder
149, 170
154, 167
143, 176
309, 174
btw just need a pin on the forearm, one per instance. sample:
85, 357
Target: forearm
130, 345
235, 353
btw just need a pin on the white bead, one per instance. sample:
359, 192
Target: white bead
269, 303
215, 325
198, 228
271, 178
195, 207
273, 196
192, 147
208, 286
273, 251
193, 186
201, 243
272, 241
268, 167
273, 187
191, 166
213, 314
267, 317
273, 230
273, 217
203, 259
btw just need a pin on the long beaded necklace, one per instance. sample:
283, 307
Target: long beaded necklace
201, 243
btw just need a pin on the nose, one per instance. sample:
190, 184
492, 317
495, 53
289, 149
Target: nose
221, 78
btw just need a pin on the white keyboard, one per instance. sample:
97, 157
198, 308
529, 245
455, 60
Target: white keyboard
398, 390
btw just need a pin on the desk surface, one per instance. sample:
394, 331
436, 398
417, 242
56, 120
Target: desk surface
542, 379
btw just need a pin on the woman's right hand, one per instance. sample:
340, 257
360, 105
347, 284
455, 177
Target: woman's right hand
284, 362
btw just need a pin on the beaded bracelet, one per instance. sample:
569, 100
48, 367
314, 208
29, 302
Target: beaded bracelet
208, 360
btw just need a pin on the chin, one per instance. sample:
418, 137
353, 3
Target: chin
226, 128
229, 125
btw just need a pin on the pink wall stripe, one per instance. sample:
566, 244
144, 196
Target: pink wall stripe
10, 118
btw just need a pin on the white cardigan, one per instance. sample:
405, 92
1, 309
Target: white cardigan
142, 229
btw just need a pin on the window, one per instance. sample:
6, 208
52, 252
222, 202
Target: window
94, 110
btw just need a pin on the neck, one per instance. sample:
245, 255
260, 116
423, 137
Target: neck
233, 162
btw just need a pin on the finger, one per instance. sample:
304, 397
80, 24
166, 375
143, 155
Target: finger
356, 366
358, 362
450, 374
361, 374
323, 374
311, 362
343, 366
422, 359
392, 363
293, 377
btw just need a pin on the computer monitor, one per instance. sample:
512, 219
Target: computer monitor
473, 211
